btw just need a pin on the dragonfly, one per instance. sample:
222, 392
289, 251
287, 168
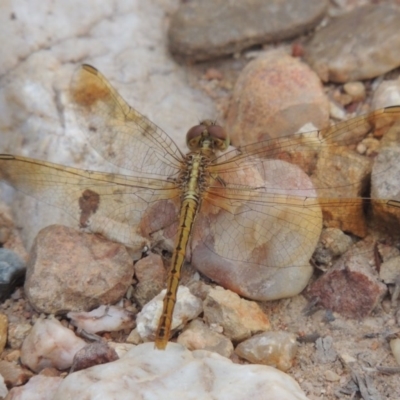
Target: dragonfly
230, 204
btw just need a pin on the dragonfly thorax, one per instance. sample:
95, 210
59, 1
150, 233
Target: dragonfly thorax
206, 137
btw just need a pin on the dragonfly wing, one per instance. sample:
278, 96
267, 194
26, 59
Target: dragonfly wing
119, 133
337, 171
263, 234
111, 204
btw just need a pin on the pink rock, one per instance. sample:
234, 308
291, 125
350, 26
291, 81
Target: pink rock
275, 96
70, 270
351, 287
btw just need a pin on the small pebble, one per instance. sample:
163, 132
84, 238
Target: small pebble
395, 346
331, 376
355, 89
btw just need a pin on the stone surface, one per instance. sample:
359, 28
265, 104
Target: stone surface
70, 270
17, 332
389, 271
332, 244
197, 336
351, 287
395, 347
49, 344
275, 95
260, 248
136, 62
151, 276
93, 354
349, 182
10, 237
3, 331
180, 374
38, 388
103, 319
387, 94
3, 388
14, 374
238, 318
203, 30
385, 181
277, 349
12, 272
358, 45
187, 307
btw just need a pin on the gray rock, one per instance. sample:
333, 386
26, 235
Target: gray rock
12, 272
202, 30
359, 45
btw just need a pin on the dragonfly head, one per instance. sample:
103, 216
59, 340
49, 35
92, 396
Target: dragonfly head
207, 135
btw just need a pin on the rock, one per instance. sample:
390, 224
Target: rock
386, 94
356, 90
13, 374
151, 276
275, 95
349, 182
385, 182
93, 354
389, 271
38, 388
332, 244
187, 307
163, 372
277, 349
351, 287
358, 45
197, 336
395, 347
3, 331
9, 235
204, 30
103, 319
239, 318
12, 272
120, 348
49, 344
331, 376
81, 271
3, 388
17, 332
325, 353
260, 251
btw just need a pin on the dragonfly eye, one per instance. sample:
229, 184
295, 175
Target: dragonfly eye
207, 129
194, 135
219, 136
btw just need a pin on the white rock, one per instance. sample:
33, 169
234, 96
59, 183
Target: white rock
102, 319
198, 336
277, 349
50, 344
126, 40
3, 388
39, 387
177, 373
187, 307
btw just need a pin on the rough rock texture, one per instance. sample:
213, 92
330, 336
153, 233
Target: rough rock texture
352, 286
202, 30
70, 270
358, 45
179, 374
275, 95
